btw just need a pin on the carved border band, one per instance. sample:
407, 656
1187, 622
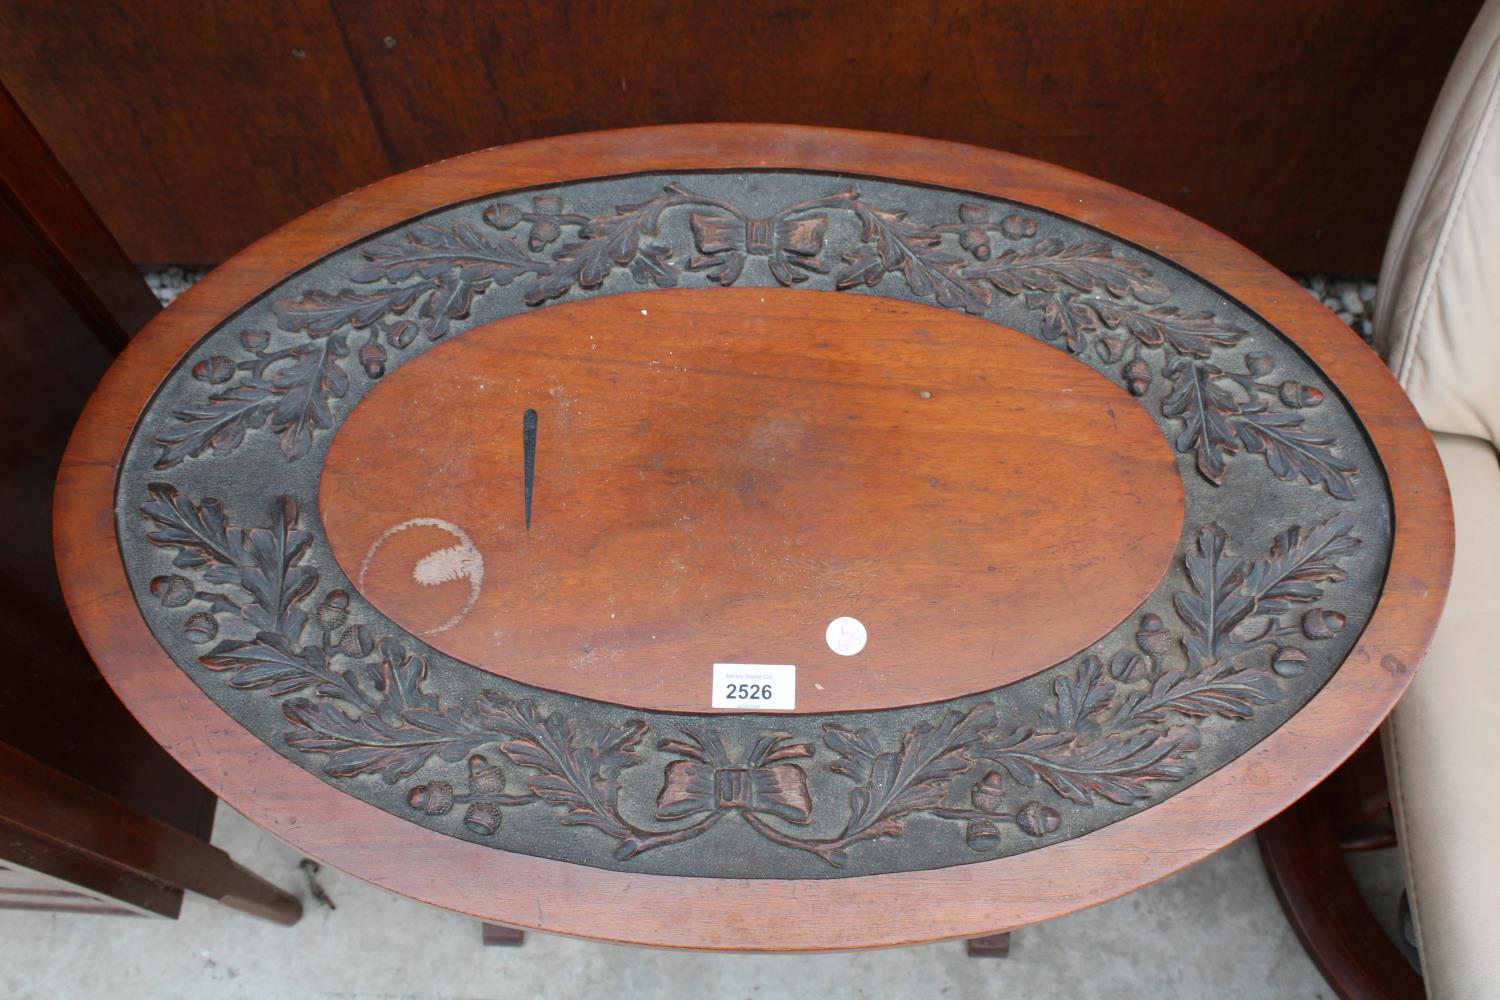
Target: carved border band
1278, 573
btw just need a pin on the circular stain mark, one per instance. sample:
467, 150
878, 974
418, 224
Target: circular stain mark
455, 562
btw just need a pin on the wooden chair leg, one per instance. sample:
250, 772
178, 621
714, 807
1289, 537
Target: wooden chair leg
56, 825
1321, 902
499, 934
990, 946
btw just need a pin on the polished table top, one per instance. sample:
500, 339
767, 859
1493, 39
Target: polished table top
753, 537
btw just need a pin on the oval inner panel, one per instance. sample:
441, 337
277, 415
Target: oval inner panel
719, 474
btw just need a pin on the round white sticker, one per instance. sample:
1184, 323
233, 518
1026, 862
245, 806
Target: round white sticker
846, 636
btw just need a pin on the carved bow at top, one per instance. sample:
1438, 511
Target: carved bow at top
724, 241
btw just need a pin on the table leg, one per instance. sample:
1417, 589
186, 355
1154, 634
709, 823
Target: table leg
499, 934
990, 946
1321, 902
57, 825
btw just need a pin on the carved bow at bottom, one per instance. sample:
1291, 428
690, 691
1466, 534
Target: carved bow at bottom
692, 787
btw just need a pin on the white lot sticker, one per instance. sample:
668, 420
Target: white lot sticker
846, 636
755, 685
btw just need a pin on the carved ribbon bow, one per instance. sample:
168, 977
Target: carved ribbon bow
723, 241
710, 782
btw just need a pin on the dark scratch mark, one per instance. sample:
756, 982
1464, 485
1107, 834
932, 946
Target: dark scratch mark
528, 443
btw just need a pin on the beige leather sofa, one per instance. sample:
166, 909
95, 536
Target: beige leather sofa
1438, 324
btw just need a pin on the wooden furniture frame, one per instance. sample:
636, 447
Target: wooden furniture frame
85, 795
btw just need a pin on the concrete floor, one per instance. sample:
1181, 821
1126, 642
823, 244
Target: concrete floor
1212, 931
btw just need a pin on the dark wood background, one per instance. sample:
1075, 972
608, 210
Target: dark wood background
72, 302
197, 127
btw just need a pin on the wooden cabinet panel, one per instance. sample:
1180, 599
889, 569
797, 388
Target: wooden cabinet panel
192, 128
69, 307
95, 817
1289, 125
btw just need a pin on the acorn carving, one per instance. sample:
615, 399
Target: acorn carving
544, 230
1296, 395
1257, 363
434, 798
356, 641
1137, 377
333, 610
1037, 819
1289, 662
502, 215
1320, 624
982, 835
1153, 639
974, 236
1018, 227
216, 370
486, 784
989, 792
255, 341
482, 818
200, 627
372, 358
173, 591
485, 779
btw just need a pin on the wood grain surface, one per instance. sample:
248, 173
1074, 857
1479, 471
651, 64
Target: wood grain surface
1289, 124
720, 473
269, 132
757, 914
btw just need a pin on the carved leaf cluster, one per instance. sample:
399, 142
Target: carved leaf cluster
1220, 690
1080, 699
318, 313
1301, 564
397, 727
368, 744
219, 422
1226, 593
270, 661
1215, 606
610, 241
891, 785
1291, 451
200, 533
1117, 766
1195, 334
913, 250
462, 253
581, 777
1051, 265
1217, 422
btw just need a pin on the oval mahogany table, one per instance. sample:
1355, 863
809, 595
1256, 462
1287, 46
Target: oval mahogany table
753, 537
